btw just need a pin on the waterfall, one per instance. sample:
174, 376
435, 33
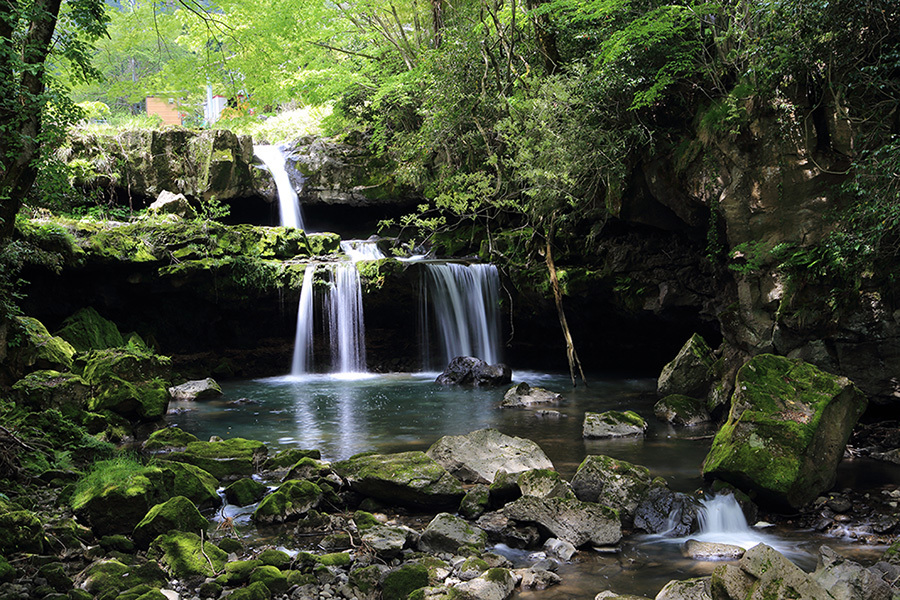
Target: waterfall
346, 329
288, 203
465, 308
303, 339
358, 250
722, 520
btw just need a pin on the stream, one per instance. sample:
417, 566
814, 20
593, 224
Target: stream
342, 415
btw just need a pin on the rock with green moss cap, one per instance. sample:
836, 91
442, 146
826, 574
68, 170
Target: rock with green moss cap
525, 396
292, 500
786, 431
168, 438
116, 502
613, 423
614, 483
493, 584
307, 468
687, 589
681, 410
20, 531
478, 456
128, 383
255, 591
107, 578
544, 483
245, 492
225, 459
274, 558
691, 372
176, 513
410, 479
142, 592
87, 330
7, 571
570, 520
448, 533
400, 582
41, 390
476, 501
185, 554
196, 390
272, 577
288, 458
237, 572
36, 348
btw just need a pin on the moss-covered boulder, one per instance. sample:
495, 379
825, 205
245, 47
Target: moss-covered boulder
87, 330
272, 577
168, 438
41, 390
407, 478
225, 459
614, 483
237, 572
400, 582
681, 410
274, 558
20, 531
691, 372
31, 347
106, 579
292, 500
129, 383
176, 513
116, 495
289, 457
245, 492
613, 423
185, 554
479, 455
786, 431
255, 591
448, 533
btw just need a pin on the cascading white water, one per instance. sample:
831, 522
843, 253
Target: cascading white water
465, 307
303, 339
722, 521
346, 328
288, 203
358, 250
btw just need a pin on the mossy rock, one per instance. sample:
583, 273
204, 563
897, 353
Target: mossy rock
185, 554
364, 520
130, 384
681, 410
168, 437
449, 533
142, 592
231, 545
41, 390
7, 571
366, 579
117, 543
307, 468
116, 503
245, 492
544, 483
272, 577
237, 572
292, 500
87, 330
691, 372
21, 531
786, 431
36, 348
322, 244
611, 482
55, 574
613, 423
407, 478
254, 591
274, 558
475, 502
226, 459
106, 579
403, 580
176, 513
335, 559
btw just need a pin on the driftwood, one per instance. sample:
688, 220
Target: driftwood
571, 353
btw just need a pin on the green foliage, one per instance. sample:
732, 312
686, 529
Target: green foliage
106, 474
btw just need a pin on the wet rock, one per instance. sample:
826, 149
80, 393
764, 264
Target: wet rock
387, 542
691, 372
224, 459
478, 456
407, 479
786, 432
666, 512
196, 390
525, 396
468, 370
839, 504
689, 589
767, 574
614, 483
544, 483
613, 423
848, 580
475, 502
573, 521
292, 500
698, 550
447, 533
681, 410
559, 548
494, 584
503, 530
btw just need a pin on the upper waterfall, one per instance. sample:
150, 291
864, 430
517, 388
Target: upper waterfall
288, 202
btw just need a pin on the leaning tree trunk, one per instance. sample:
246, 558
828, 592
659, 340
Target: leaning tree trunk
545, 38
571, 353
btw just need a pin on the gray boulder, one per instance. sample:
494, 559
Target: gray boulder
476, 457
691, 372
503, 530
573, 521
468, 370
613, 423
170, 203
666, 512
387, 542
765, 573
525, 396
614, 483
848, 580
698, 550
494, 584
198, 389
681, 410
447, 533
689, 589
544, 483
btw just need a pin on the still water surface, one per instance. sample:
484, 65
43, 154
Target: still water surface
342, 416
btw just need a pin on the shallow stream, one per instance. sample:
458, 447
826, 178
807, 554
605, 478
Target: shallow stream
344, 415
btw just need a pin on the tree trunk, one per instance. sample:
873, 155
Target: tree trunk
571, 353
545, 38
437, 22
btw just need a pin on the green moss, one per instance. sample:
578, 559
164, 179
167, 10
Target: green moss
290, 501
87, 330
364, 520
365, 579
398, 584
41, 390
322, 244
245, 492
254, 591
298, 578
497, 575
176, 513
289, 457
226, 458
106, 579
335, 559
169, 437
237, 572
272, 577
37, 347
7, 571
185, 554
274, 558
20, 531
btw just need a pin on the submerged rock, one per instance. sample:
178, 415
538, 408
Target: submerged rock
524, 396
613, 423
786, 432
477, 456
406, 478
198, 389
468, 370
711, 550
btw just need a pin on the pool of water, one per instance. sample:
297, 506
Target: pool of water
344, 415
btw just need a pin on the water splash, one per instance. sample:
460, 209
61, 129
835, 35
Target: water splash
288, 203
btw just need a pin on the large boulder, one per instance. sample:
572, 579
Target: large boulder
468, 370
765, 573
665, 512
525, 396
493, 584
691, 372
36, 349
41, 390
225, 459
170, 203
848, 580
406, 478
786, 431
196, 389
176, 513
293, 500
612, 424
129, 383
447, 533
87, 330
477, 456
570, 520
614, 483
681, 410
544, 483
